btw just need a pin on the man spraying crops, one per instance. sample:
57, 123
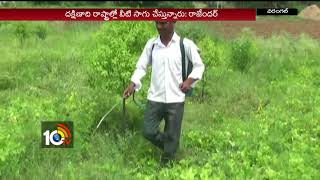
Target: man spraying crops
167, 90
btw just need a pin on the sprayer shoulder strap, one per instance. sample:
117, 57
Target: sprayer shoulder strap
152, 47
183, 59
187, 65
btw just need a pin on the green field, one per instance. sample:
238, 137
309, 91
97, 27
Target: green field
254, 116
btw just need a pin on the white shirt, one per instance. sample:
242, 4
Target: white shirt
166, 75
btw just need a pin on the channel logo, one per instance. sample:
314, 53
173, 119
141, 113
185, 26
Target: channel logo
57, 134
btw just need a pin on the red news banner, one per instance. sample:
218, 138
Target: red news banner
121, 14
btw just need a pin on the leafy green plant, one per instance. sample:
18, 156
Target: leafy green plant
262, 124
243, 53
212, 54
6, 82
195, 32
21, 32
41, 31
114, 59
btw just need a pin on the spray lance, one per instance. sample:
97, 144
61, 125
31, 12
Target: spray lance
123, 100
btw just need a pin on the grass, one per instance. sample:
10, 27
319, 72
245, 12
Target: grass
262, 123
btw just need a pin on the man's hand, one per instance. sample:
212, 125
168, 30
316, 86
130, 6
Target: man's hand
186, 85
129, 90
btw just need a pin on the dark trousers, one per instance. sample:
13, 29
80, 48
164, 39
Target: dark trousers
172, 113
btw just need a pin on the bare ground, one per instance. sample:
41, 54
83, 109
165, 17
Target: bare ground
267, 27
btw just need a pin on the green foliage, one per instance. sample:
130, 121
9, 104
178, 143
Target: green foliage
114, 59
46, 2
212, 52
244, 53
192, 31
260, 123
175, 4
6, 82
41, 31
21, 32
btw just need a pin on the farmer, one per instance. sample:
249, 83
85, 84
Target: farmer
166, 94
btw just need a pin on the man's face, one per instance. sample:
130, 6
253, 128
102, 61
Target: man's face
165, 27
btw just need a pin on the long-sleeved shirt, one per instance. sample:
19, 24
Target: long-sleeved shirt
166, 74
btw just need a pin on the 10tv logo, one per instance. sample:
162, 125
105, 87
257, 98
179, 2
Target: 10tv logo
57, 134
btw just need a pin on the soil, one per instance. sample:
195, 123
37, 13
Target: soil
307, 22
266, 27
